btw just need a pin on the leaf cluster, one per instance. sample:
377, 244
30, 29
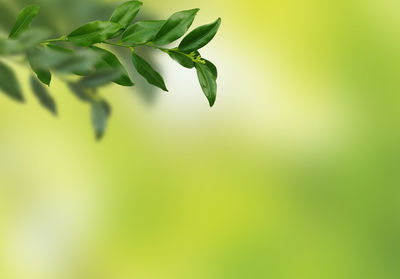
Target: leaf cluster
80, 59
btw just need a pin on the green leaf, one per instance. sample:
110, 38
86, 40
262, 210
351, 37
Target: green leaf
200, 36
100, 112
42, 74
94, 32
100, 78
212, 68
110, 61
142, 32
175, 27
79, 91
10, 47
181, 59
148, 72
125, 13
43, 96
9, 83
65, 60
26, 40
24, 20
207, 81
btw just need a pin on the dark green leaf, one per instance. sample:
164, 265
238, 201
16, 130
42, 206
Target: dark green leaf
148, 72
110, 61
125, 13
207, 81
100, 78
100, 112
175, 27
181, 59
94, 32
212, 68
24, 20
142, 32
200, 37
79, 91
42, 74
9, 83
43, 96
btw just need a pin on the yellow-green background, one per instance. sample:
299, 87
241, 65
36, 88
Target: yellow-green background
293, 174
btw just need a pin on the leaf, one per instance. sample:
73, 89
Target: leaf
94, 32
43, 96
142, 32
42, 74
79, 91
110, 61
10, 47
65, 60
24, 20
100, 78
175, 27
212, 68
9, 83
207, 81
181, 59
125, 13
100, 112
200, 36
148, 72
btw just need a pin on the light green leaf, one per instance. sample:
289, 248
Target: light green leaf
147, 71
207, 81
200, 37
43, 96
110, 61
100, 77
142, 32
42, 74
175, 27
9, 83
94, 32
100, 113
125, 13
24, 20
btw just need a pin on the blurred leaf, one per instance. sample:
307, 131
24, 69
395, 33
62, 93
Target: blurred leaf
207, 81
142, 32
43, 96
65, 60
125, 13
100, 111
9, 83
24, 20
200, 36
100, 77
10, 47
42, 74
110, 61
181, 59
94, 32
148, 72
32, 37
79, 91
175, 27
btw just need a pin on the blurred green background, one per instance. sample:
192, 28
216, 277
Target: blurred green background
293, 174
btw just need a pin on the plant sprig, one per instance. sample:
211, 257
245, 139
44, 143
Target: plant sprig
96, 66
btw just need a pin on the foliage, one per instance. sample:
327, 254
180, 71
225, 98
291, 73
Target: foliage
78, 55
